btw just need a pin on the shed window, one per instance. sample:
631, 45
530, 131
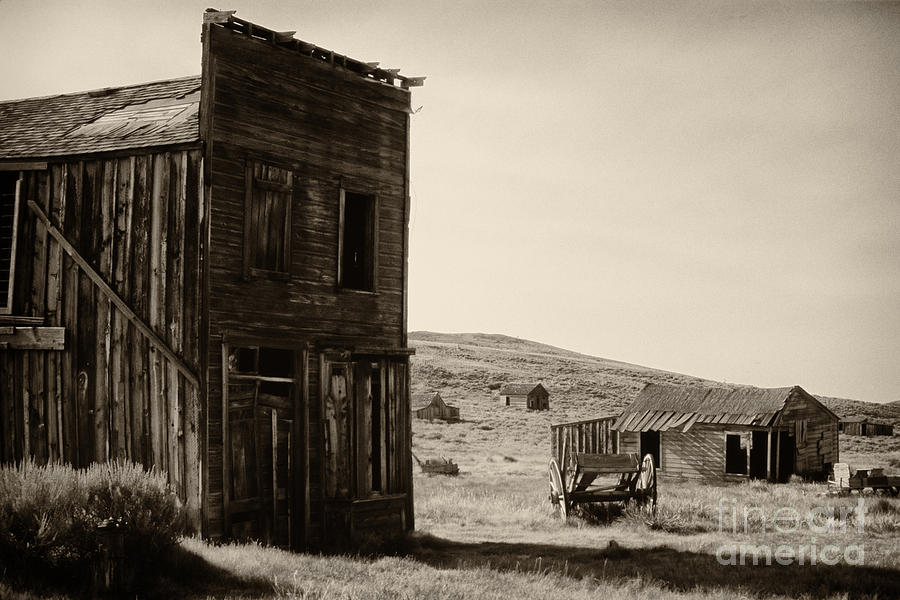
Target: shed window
267, 220
9, 211
358, 241
735, 454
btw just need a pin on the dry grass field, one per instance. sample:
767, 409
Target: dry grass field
491, 533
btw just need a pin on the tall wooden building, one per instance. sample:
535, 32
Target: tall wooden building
731, 434
208, 275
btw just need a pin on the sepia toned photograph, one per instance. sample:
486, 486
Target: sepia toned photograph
469, 300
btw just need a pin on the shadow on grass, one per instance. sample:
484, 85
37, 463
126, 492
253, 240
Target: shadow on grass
185, 574
180, 574
667, 567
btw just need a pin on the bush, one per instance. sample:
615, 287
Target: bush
49, 516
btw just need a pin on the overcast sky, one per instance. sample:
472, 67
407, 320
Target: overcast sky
708, 188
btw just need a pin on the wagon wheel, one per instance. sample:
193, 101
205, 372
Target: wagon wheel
646, 483
559, 496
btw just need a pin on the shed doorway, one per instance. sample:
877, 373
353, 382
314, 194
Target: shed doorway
650, 445
260, 414
759, 445
785, 451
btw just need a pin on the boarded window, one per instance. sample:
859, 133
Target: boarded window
8, 221
267, 220
358, 241
365, 423
735, 454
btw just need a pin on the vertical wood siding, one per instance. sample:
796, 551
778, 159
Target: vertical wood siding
594, 436
109, 394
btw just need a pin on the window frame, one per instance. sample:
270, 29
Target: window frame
252, 183
745, 447
7, 308
374, 224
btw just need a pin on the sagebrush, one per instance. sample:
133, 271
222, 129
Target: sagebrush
49, 515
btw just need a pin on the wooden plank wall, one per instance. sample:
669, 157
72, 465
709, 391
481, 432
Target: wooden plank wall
697, 454
593, 436
872, 429
444, 412
109, 394
820, 448
329, 128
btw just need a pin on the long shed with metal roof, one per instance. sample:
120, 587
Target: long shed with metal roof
731, 433
207, 275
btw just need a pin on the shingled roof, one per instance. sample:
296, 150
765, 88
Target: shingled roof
160, 113
663, 407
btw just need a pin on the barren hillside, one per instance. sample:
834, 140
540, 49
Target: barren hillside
465, 367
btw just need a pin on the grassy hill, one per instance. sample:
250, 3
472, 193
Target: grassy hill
466, 368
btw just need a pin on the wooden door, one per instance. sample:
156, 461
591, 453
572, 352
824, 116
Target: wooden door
260, 399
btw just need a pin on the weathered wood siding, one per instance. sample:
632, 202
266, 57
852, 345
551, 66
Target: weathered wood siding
438, 410
110, 394
539, 400
593, 436
815, 434
331, 129
533, 401
867, 429
697, 454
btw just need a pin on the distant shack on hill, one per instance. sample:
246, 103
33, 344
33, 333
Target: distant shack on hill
865, 426
532, 396
432, 406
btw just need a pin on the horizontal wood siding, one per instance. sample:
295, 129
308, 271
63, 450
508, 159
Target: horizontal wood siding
819, 449
697, 454
110, 394
331, 130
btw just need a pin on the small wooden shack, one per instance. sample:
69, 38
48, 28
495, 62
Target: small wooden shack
432, 406
865, 426
208, 275
731, 434
532, 396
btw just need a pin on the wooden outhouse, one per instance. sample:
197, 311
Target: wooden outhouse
865, 426
731, 434
532, 396
432, 406
208, 275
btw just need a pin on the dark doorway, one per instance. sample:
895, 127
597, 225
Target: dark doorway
735, 455
785, 452
650, 445
758, 455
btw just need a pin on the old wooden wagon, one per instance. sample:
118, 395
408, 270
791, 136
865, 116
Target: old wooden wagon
586, 469
208, 275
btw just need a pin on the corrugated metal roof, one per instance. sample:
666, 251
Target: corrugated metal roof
160, 113
663, 407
